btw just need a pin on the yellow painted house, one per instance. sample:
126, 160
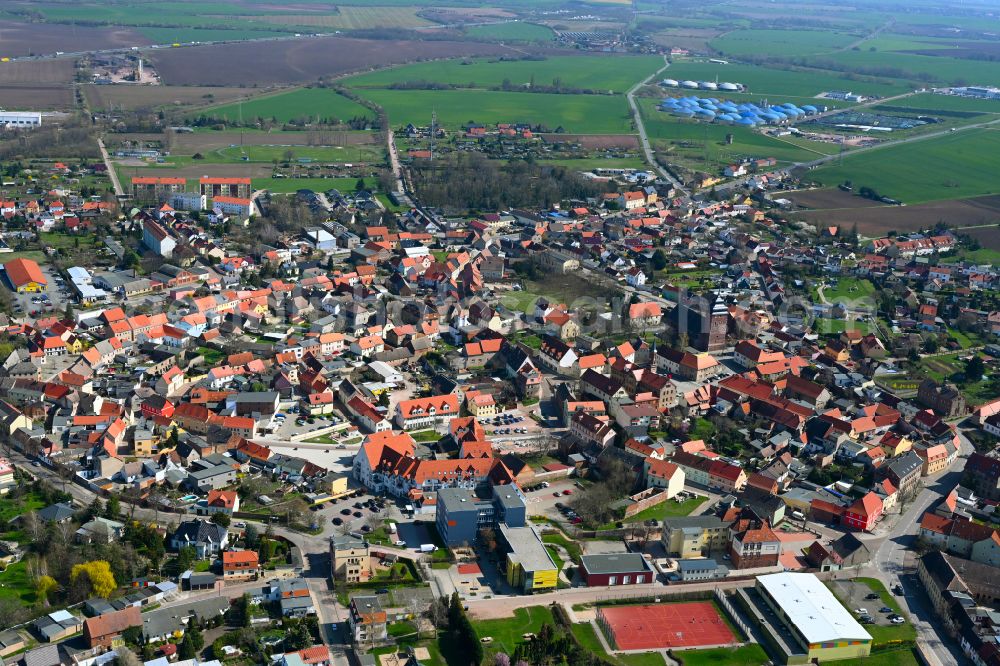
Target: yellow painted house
529, 566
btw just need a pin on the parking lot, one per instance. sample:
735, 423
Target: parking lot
859, 597
51, 301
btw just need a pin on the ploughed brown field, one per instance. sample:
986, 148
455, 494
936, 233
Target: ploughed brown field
595, 141
299, 60
150, 97
23, 97
37, 72
830, 198
21, 39
875, 219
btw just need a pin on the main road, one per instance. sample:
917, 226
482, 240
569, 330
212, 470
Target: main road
640, 126
894, 562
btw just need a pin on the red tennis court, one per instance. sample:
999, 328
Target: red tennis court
469, 569
684, 624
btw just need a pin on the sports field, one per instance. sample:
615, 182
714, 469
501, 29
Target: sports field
576, 114
953, 166
677, 625
309, 103
598, 73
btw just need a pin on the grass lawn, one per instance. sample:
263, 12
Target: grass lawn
212, 356
595, 72
305, 103
16, 584
34, 255
668, 509
576, 114
290, 185
965, 339
887, 658
554, 554
507, 633
425, 436
322, 154
642, 659
322, 439
572, 547
963, 160
9, 507
981, 256
401, 629
746, 655
775, 82
825, 326
848, 289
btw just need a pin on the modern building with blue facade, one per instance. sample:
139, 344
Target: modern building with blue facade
462, 513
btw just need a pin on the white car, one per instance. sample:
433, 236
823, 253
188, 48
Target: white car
861, 611
897, 620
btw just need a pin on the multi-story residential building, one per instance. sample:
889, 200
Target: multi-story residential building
753, 544
429, 412
946, 400
982, 475
368, 621
350, 559
694, 536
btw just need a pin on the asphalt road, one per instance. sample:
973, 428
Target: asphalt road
894, 562
647, 148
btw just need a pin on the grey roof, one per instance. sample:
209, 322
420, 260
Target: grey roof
508, 497
203, 578
57, 512
527, 549
164, 621
347, 542
290, 603
47, 655
200, 531
906, 464
615, 563
682, 522
699, 564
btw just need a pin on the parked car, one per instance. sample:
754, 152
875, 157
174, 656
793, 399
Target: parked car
897, 620
871, 596
885, 609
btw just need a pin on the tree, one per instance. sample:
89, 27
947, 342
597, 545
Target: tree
98, 575
220, 518
251, 536
125, 657
113, 508
186, 650
44, 586
974, 369
659, 260
186, 557
194, 633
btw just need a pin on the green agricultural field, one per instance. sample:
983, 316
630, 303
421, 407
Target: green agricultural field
702, 145
304, 103
933, 102
512, 32
780, 42
353, 18
952, 166
771, 81
187, 35
576, 114
599, 73
921, 67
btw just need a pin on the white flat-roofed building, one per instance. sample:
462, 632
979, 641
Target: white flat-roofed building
20, 119
821, 625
